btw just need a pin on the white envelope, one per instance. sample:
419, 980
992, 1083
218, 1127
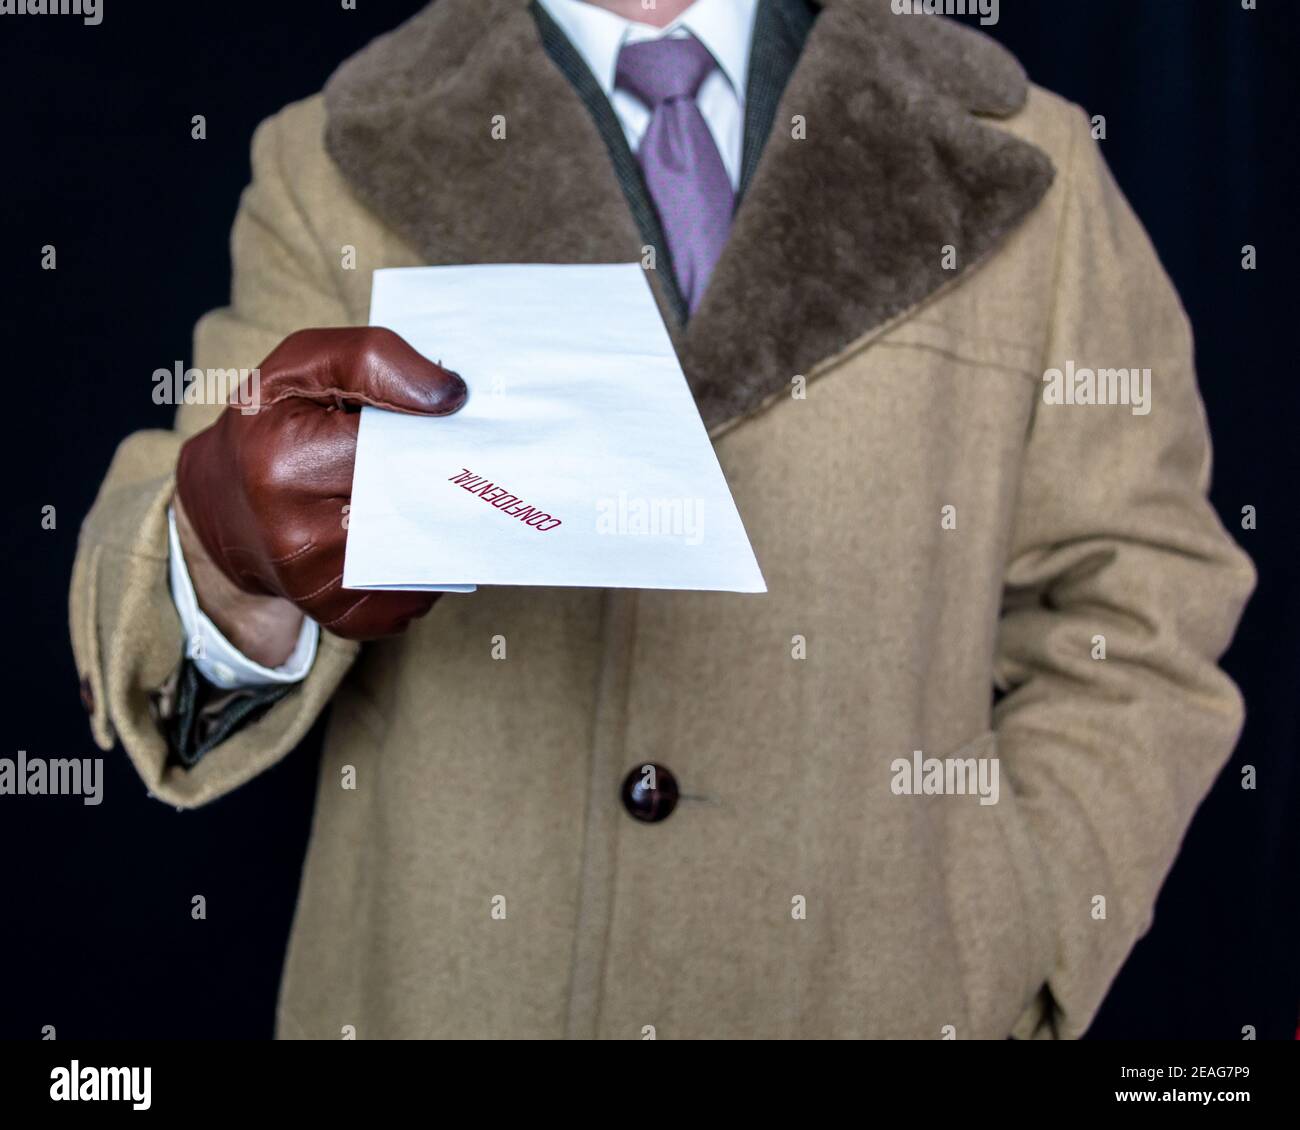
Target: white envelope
579, 458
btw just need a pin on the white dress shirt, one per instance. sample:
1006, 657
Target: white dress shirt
726, 28
217, 659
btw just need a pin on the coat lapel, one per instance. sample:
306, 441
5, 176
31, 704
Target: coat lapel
839, 232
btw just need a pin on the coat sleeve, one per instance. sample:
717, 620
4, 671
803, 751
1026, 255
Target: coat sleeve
126, 635
1115, 547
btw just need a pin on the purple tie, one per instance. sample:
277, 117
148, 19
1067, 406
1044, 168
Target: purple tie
683, 169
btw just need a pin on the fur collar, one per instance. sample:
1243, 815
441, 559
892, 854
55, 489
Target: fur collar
839, 233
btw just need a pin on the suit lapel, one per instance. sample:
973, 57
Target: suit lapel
627, 170
839, 231
781, 29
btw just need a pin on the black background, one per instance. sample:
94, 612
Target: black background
96, 936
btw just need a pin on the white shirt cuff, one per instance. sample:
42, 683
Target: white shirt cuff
217, 659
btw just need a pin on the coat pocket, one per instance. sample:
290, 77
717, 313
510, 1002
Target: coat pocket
998, 904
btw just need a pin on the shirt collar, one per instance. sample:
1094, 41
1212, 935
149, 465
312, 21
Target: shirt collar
725, 27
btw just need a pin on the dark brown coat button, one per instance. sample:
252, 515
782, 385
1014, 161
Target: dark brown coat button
650, 793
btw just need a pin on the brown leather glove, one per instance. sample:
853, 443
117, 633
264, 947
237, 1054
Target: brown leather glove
265, 492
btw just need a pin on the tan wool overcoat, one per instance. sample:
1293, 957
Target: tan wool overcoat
926, 236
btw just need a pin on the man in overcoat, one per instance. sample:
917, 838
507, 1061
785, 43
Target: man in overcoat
932, 781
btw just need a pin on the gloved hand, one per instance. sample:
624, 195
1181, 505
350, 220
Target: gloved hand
265, 492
